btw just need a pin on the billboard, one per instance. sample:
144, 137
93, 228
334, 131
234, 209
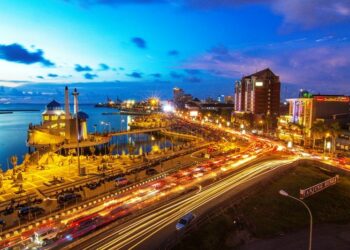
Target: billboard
332, 98
318, 187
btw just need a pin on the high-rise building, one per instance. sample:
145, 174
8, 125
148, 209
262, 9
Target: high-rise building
258, 93
180, 98
239, 96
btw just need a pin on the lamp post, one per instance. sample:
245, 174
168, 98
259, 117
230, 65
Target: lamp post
284, 193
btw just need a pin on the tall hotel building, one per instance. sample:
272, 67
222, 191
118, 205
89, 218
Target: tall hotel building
258, 93
258, 96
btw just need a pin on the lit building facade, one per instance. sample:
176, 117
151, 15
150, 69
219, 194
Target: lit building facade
54, 119
58, 125
303, 112
259, 95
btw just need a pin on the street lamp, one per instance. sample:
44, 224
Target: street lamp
107, 124
284, 193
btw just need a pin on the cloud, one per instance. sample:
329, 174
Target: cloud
308, 13
323, 39
193, 79
139, 42
79, 68
316, 67
52, 75
17, 53
312, 13
103, 67
135, 74
121, 68
90, 76
156, 75
175, 75
192, 71
173, 52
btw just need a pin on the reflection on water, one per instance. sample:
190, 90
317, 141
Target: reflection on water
13, 129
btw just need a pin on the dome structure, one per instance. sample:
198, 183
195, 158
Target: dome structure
82, 115
53, 105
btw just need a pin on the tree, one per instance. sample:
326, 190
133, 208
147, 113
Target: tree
334, 130
92, 150
318, 130
14, 161
131, 149
111, 148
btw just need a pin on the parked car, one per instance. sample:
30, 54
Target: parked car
27, 211
184, 221
121, 181
68, 198
151, 171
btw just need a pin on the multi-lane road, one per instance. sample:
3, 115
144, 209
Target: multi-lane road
144, 217
152, 229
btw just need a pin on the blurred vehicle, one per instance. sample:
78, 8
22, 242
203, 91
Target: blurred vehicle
184, 221
68, 198
151, 171
2, 223
121, 181
27, 211
45, 235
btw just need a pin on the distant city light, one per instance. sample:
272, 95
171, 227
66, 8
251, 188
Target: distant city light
168, 108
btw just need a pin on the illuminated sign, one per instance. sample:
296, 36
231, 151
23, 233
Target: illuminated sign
259, 84
332, 98
193, 113
318, 187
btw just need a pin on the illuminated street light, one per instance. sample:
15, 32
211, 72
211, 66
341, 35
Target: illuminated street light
284, 193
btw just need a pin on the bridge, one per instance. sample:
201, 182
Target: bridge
104, 139
136, 131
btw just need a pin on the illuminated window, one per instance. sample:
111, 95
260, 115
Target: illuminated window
54, 118
259, 84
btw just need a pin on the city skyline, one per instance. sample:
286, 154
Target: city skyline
194, 45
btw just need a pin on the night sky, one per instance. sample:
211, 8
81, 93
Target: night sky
154, 45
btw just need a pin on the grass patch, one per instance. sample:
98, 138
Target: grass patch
266, 213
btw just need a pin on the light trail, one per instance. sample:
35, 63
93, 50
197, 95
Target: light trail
152, 222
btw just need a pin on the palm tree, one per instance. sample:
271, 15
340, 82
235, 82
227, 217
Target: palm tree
131, 149
111, 148
14, 160
318, 129
335, 130
92, 150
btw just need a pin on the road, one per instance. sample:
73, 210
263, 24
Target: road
149, 230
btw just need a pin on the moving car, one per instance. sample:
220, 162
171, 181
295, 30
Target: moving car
184, 221
45, 235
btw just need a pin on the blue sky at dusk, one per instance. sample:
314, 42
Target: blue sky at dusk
150, 46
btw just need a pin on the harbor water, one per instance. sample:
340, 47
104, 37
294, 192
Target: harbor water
14, 126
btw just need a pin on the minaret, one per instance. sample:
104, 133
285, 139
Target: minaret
66, 103
75, 94
66, 107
